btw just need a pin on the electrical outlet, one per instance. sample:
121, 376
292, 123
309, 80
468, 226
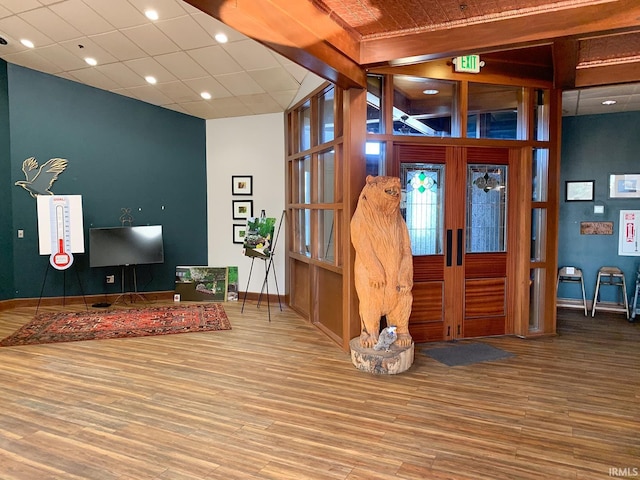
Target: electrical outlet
111, 279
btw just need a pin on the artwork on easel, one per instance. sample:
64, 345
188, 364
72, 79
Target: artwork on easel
259, 236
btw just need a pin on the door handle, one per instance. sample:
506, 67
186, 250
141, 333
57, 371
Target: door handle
449, 246
459, 253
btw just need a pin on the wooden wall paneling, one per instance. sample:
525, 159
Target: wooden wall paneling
519, 243
329, 287
426, 269
354, 174
485, 297
426, 323
484, 327
483, 265
301, 288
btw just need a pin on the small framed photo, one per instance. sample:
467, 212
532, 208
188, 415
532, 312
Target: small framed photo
239, 232
579, 191
242, 209
624, 186
242, 185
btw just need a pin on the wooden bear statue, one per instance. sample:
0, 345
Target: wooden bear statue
383, 263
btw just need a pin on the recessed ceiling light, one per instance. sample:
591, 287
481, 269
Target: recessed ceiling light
609, 102
431, 91
221, 38
27, 43
151, 80
91, 61
151, 14
206, 95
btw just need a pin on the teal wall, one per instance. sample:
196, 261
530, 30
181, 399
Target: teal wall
122, 153
593, 147
6, 228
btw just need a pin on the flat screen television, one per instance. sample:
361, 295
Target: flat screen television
116, 246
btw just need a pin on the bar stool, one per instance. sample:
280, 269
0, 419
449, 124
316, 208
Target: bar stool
635, 308
573, 275
612, 276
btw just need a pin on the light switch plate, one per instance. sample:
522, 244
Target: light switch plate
598, 209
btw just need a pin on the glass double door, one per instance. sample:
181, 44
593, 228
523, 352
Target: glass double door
455, 205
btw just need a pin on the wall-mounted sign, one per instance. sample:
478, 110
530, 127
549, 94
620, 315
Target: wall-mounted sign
596, 228
628, 237
468, 64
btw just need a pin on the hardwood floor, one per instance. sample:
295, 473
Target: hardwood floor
280, 401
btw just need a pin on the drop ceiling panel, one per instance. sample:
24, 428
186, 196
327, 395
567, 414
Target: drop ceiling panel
118, 45
181, 65
215, 60
86, 47
202, 109
119, 13
121, 74
176, 107
148, 66
62, 57
208, 84
51, 24
285, 98
150, 94
93, 77
239, 84
178, 92
150, 39
165, 8
17, 6
229, 107
31, 59
251, 55
82, 17
186, 32
125, 92
19, 29
261, 103
213, 26
274, 79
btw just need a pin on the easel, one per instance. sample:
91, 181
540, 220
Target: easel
64, 286
123, 294
267, 267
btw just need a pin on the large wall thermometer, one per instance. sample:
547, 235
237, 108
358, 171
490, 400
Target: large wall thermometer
61, 257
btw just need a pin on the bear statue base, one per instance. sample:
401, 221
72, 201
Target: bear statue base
396, 360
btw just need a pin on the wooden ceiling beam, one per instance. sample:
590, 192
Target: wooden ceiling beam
565, 60
531, 29
296, 30
608, 74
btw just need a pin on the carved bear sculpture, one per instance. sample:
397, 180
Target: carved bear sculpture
383, 263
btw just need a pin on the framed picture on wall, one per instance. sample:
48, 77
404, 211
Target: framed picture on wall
579, 191
624, 186
239, 232
242, 209
242, 185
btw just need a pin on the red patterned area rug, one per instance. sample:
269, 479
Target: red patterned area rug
71, 327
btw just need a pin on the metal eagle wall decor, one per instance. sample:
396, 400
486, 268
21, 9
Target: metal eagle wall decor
38, 180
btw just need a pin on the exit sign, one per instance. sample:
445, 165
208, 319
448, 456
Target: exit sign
468, 64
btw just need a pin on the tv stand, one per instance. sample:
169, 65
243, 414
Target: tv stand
132, 295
